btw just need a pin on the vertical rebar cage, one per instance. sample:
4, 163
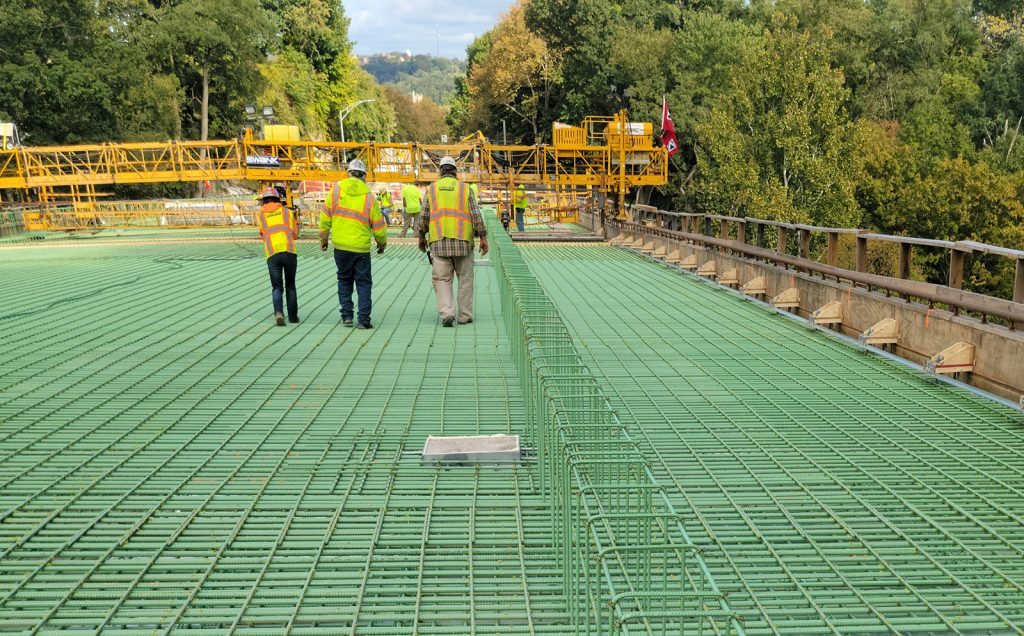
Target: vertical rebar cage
627, 564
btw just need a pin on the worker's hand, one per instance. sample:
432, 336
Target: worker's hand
323, 246
484, 246
380, 249
423, 244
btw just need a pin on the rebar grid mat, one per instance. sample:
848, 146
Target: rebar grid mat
173, 463
628, 565
844, 493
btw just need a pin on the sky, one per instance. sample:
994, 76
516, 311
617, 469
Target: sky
421, 26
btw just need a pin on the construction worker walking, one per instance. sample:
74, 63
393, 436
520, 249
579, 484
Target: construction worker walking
448, 222
410, 206
522, 202
350, 216
384, 196
278, 230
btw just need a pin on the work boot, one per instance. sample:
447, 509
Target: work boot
364, 325
294, 320
465, 321
448, 321
279, 317
347, 322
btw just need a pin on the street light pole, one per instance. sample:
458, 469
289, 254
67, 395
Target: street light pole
342, 114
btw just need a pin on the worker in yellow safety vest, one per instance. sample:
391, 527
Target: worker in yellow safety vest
449, 219
278, 231
350, 216
410, 206
521, 203
384, 196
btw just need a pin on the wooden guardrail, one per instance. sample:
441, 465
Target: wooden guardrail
718, 231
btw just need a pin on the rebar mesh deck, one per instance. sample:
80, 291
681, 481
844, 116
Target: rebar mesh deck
845, 493
171, 462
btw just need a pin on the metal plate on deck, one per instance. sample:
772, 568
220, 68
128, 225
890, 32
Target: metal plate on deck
472, 448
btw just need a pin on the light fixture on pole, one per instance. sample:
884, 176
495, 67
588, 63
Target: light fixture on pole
342, 114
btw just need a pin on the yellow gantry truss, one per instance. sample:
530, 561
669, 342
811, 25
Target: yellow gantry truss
608, 157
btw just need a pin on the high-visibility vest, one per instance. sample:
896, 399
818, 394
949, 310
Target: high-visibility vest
522, 201
474, 187
385, 199
411, 199
352, 218
278, 229
450, 215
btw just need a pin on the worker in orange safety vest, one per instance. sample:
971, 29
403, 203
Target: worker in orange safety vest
278, 231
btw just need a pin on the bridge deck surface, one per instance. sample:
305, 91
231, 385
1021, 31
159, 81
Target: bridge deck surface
172, 462
840, 492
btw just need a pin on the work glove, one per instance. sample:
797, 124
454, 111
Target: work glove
323, 246
423, 244
484, 246
380, 249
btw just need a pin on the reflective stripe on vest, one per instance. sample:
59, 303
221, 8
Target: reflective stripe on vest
334, 209
449, 212
270, 231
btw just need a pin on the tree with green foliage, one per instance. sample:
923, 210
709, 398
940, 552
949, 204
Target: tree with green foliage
782, 146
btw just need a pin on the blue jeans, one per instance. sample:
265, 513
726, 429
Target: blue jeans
284, 263
354, 267
520, 225
386, 213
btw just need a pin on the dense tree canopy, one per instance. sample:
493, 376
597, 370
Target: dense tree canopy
898, 115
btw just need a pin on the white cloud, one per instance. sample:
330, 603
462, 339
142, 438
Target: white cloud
422, 26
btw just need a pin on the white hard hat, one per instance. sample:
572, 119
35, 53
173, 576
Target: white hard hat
356, 166
447, 161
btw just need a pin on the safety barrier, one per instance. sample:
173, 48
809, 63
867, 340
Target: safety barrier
627, 563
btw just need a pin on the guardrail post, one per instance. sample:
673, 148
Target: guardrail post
781, 249
724, 229
833, 249
906, 254
862, 254
805, 243
741, 231
1018, 290
707, 227
760, 235
956, 268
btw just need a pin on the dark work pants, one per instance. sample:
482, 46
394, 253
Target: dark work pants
284, 263
354, 267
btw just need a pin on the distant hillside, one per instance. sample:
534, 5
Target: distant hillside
426, 75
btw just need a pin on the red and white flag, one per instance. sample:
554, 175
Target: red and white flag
668, 130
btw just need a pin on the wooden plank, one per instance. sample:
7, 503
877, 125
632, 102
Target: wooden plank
755, 286
729, 277
709, 269
833, 249
830, 313
788, 299
956, 268
885, 331
956, 358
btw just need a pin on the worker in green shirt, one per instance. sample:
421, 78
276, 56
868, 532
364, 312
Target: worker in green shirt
411, 196
522, 202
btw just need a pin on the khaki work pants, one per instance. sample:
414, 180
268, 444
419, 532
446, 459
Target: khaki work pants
407, 222
445, 269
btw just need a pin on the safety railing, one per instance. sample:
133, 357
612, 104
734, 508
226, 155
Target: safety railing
628, 566
772, 240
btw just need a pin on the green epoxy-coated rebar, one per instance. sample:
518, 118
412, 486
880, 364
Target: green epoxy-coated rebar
843, 493
627, 563
171, 462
